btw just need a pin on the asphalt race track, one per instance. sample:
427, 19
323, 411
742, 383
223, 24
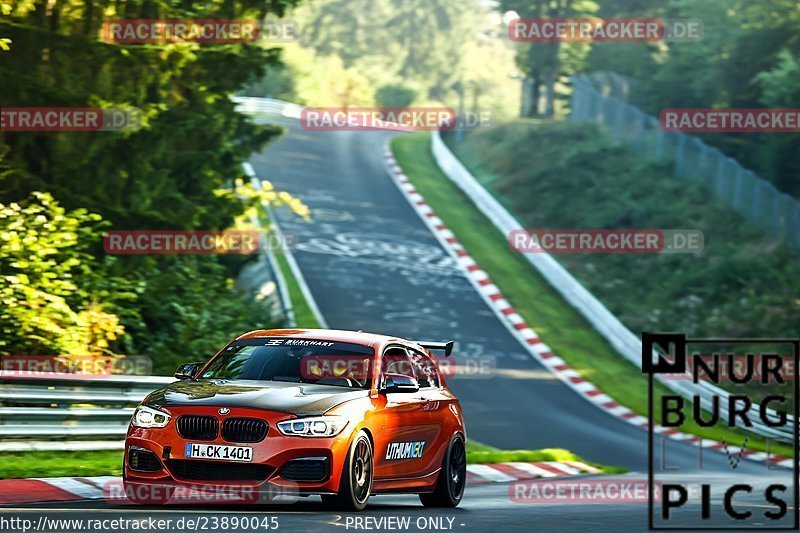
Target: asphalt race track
372, 264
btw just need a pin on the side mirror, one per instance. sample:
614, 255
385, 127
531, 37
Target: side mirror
188, 371
394, 383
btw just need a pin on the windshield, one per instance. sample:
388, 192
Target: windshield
294, 360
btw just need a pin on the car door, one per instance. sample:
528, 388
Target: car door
437, 401
403, 444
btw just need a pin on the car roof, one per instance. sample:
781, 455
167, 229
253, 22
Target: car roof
336, 335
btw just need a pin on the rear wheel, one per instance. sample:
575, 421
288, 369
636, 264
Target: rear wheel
356, 483
452, 478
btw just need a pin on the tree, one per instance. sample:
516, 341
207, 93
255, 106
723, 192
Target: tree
53, 289
543, 62
68, 295
780, 87
395, 95
746, 59
423, 41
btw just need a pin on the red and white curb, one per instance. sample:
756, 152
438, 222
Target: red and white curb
65, 489
54, 489
529, 338
507, 472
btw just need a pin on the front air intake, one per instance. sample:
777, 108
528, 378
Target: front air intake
305, 469
195, 470
143, 460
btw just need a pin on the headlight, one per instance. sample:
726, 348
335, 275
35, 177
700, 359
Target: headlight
317, 426
147, 417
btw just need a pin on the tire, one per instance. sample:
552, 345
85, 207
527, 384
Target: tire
452, 478
356, 483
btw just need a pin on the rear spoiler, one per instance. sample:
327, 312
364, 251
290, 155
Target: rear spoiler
446, 346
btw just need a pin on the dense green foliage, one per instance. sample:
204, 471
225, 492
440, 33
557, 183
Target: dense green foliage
164, 175
350, 53
395, 95
742, 284
421, 40
748, 57
53, 290
546, 63
59, 298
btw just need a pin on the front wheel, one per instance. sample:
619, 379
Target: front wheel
356, 483
452, 478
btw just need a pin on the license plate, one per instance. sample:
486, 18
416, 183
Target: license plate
219, 453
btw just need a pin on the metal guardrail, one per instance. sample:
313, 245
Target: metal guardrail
609, 326
253, 105
68, 410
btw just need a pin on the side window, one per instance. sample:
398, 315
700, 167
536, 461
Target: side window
396, 361
424, 369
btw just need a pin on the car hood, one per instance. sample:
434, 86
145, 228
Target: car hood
295, 398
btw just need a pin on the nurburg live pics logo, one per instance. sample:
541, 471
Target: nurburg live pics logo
775, 508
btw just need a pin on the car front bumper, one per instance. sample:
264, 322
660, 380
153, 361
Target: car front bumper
281, 465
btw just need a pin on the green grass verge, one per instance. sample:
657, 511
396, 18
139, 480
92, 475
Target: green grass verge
556, 322
473, 446
57, 464
302, 312
478, 453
